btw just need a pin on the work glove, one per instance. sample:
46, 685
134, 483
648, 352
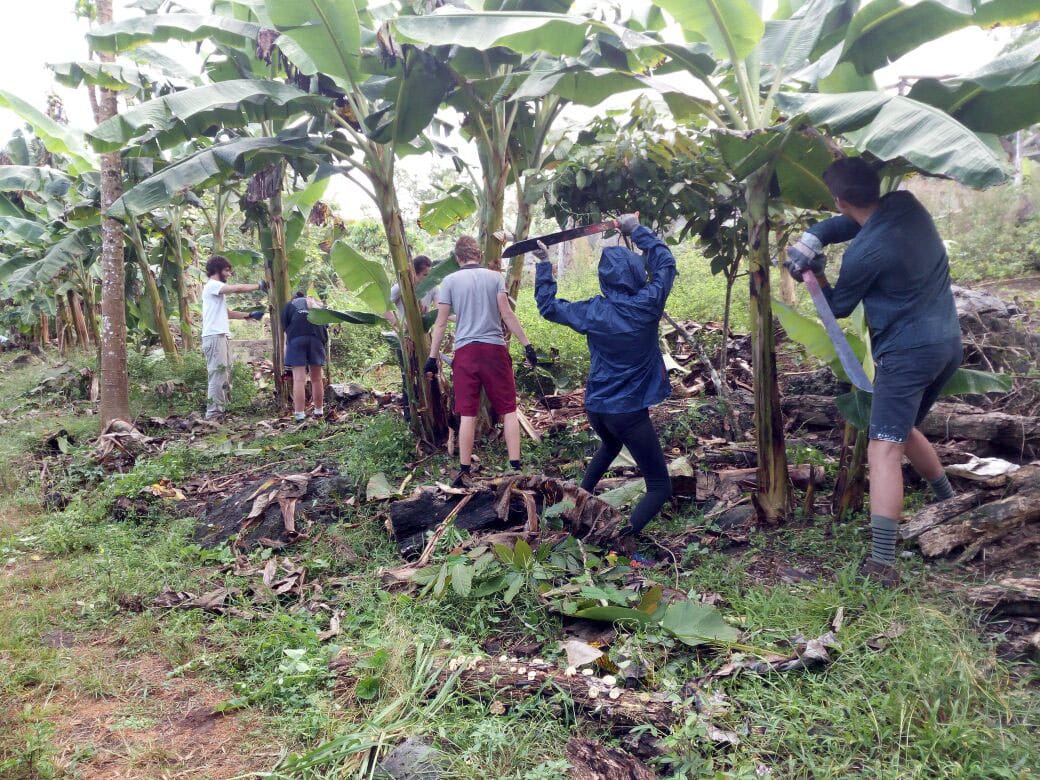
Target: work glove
263, 285
805, 254
255, 315
431, 366
628, 223
532, 356
542, 252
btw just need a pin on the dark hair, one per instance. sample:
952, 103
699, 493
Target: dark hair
299, 294
216, 264
467, 250
854, 180
420, 263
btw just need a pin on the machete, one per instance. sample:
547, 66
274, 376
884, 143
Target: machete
531, 244
849, 361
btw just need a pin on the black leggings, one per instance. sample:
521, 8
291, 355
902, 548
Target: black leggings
635, 431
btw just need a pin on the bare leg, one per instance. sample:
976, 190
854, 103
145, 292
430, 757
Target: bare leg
467, 431
511, 433
922, 456
317, 387
886, 478
299, 388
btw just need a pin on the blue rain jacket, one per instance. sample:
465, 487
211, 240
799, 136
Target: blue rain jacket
627, 372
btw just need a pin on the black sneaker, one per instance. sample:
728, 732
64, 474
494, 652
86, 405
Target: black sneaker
463, 479
884, 574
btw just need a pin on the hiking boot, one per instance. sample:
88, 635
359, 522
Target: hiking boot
884, 574
463, 479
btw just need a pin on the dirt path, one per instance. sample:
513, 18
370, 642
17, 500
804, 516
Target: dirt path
89, 710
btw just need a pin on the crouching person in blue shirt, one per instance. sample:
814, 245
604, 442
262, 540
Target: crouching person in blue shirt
627, 373
896, 264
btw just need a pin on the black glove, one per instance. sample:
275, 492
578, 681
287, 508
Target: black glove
628, 223
255, 315
805, 254
532, 356
542, 252
263, 285
431, 366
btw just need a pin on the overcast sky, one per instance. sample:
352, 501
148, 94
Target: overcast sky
41, 31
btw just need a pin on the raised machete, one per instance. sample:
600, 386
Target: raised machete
531, 244
849, 361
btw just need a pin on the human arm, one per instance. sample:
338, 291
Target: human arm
806, 253
858, 273
661, 264
245, 315
513, 324
554, 309
231, 289
443, 312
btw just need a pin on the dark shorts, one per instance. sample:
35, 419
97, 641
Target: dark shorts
487, 366
305, 351
906, 384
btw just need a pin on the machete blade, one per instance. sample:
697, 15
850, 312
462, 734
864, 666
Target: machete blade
531, 244
849, 361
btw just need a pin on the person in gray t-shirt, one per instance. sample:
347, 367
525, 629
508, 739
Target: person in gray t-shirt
477, 296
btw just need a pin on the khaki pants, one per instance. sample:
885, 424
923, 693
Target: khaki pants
217, 350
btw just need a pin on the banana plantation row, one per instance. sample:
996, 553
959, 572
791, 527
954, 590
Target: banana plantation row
290, 95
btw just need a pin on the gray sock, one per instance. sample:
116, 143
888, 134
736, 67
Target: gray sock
941, 487
884, 531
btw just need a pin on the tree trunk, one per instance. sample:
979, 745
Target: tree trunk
78, 322
429, 416
773, 497
279, 297
183, 298
494, 163
62, 328
115, 394
852, 473
523, 225
151, 289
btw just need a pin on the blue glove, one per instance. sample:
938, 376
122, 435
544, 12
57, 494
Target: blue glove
263, 285
805, 254
255, 315
532, 356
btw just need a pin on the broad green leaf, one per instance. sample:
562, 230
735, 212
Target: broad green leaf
57, 138
798, 162
238, 158
304, 199
731, 27
436, 275
555, 34
625, 494
855, 408
504, 553
159, 28
651, 600
182, 116
439, 215
968, 381
461, 579
146, 55
333, 317
109, 75
325, 37
514, 581
71, 252
884, 30
522, 554
577, 84
34, 178
366, 278
694, 624
614, 615
367, 688
1001, 97
18, 230
892, 127
808, 332
413, 99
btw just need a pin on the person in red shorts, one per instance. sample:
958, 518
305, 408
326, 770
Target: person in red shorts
477, 297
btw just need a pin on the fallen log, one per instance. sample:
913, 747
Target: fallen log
592, 760
981, 526
801, 476
1013, 596
937, 514
993, 433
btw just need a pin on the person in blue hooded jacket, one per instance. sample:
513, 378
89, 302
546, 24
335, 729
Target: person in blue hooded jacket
627, 373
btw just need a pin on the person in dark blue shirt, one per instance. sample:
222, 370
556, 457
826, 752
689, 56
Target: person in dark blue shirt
627, 373
896, 266
305, 345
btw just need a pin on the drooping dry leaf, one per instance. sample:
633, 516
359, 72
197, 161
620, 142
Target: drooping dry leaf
378, 488
579, 653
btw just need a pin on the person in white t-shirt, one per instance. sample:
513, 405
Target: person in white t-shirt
216, 331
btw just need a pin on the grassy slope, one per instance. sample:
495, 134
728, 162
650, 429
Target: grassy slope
935, 702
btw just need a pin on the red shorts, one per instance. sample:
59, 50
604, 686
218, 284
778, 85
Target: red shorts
485, 366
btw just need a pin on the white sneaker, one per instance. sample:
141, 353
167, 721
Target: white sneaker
319, 412
299, 416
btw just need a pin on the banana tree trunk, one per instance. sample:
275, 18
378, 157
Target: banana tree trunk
851, 481
151, 289
772, 500
429, 416
115, 394
183, 298
279, 297
523, 226
78, 321
494, 163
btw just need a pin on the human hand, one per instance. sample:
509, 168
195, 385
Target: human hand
542, 252
431, 367
255, 315
627, 223
532, 356
263, 285
805, 254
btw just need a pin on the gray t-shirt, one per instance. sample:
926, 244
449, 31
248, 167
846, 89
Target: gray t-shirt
472, 294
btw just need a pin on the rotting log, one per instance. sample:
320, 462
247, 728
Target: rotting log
801, 476
993, 433
981, 526
935, 515
1013, 596
592, 760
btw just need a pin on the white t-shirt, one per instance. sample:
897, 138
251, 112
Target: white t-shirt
214, 310
424, 303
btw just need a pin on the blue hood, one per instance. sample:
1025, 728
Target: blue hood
621, 271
